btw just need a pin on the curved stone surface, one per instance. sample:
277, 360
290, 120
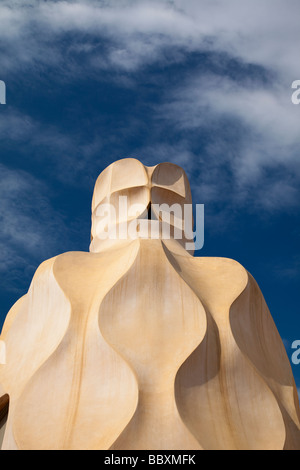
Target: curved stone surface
139, 345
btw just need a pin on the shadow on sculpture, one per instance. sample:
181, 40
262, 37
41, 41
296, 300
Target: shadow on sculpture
140, 345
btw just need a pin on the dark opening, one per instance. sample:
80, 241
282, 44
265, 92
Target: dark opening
149, 211
4, 405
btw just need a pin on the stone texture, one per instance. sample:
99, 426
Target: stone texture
140, 345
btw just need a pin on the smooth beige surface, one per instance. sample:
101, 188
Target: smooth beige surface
139, 345
2, 352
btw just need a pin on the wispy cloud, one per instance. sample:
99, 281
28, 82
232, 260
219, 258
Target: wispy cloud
288, 270
245, 121
30, 228
50, 147
141, 32
251, 128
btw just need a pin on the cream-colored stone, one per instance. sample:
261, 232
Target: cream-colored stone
2, 352
140, 345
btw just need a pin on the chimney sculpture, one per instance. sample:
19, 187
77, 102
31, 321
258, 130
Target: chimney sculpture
138, 344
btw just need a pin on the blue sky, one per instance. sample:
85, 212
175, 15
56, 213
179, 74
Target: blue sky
205, 84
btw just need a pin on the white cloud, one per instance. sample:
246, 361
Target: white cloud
260, 138
126, 35
49, 144
260, 32
27, 218
31, 230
